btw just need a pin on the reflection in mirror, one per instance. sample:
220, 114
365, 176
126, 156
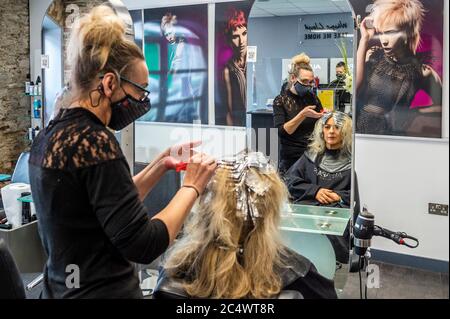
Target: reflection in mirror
400, 50
294, 82
58, 21
300, 87
322, 176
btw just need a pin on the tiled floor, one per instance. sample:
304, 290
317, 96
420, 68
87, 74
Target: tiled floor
395, 282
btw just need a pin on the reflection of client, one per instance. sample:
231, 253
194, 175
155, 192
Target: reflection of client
180, 86
234, 73
322, 176
390, 74
231, 246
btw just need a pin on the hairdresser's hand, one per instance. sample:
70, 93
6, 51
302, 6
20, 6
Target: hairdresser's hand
309, 111
367, 33
179, 153
200, 169
327, 196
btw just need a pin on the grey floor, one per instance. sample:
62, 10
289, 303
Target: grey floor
395, 282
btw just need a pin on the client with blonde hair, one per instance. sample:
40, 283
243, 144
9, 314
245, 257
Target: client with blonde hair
295, 111
231, 246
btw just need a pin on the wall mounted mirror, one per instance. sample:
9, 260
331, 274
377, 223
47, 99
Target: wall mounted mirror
324, 31
315, 160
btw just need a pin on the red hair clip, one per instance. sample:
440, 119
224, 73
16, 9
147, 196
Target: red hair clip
180, 167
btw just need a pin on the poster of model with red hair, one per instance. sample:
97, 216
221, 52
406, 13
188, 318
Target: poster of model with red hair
231, 62
399, 67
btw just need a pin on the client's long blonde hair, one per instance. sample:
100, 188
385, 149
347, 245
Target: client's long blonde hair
208, 253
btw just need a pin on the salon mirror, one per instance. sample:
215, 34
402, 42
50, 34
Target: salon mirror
324, 30
56, 27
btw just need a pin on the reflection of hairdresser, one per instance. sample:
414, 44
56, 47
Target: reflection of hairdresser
342, 95
295, 112
340, 76
231, 246
92, 221
323, 175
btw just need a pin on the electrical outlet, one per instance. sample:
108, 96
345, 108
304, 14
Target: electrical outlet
438, 209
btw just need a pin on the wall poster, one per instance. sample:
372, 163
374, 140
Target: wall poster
400, 67
231, 62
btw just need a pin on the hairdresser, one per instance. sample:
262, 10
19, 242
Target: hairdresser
295, 112
92, 222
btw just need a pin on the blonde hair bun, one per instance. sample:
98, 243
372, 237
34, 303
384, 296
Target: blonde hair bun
301, 59
96, 33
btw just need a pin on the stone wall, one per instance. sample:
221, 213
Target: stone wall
15, 107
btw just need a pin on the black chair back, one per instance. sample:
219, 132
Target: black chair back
169, 288
11, 286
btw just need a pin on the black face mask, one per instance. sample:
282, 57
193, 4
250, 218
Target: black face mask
340, 77
126, 111
303, 90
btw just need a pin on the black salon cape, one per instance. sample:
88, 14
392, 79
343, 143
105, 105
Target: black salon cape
304, 180
89, 214
299, 274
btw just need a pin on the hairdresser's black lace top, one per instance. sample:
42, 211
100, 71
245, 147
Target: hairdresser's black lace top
286, 106
390, 84
90, 216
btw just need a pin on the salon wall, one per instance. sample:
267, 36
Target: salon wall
14, 63
399, 177
285, 42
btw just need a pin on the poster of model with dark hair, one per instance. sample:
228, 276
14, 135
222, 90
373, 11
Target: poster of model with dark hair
399, 67
231, 62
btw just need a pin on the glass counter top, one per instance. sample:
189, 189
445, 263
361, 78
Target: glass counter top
315, 219
322, 211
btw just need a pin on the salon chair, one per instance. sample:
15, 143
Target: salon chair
169, 288
11, 286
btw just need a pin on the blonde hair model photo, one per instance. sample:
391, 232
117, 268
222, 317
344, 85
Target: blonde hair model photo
399, 92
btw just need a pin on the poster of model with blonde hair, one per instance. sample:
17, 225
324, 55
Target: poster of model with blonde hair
399, 67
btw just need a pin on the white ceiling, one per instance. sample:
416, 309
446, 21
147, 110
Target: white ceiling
275, 8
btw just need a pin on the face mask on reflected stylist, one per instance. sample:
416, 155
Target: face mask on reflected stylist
303, 90
126, 111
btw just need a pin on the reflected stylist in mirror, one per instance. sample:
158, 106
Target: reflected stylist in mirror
89, 207
295, 112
